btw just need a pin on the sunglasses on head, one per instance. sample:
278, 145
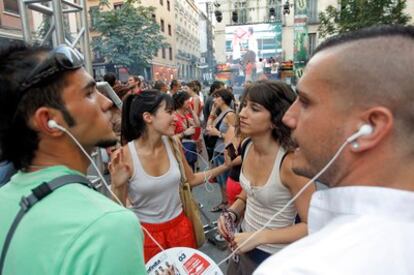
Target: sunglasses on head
60, 59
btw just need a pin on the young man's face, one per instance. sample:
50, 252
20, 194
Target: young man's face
317, 121
90, 110
133, 82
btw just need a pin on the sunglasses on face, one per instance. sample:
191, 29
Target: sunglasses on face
60, 59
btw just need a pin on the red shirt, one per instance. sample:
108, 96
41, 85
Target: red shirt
183, 122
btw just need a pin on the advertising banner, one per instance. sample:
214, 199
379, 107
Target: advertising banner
301, 38
251, 48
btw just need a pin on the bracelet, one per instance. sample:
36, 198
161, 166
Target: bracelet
238, 197
237, 216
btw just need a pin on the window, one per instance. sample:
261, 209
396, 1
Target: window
313, 11
11, 6
163, 53
312, 43
162, 25
169, 29
97, 57
156, 53
168, 5
170, 53
154, 18
241, 9
118, 5
92, 12
161, 2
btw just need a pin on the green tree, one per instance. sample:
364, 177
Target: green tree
357, 14
128, 36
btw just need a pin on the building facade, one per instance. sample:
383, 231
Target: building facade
10, 22
206, 33
188, 54
164, 64
256, 12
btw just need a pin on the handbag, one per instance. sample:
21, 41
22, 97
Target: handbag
190, 205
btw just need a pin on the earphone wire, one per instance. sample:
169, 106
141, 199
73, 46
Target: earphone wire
102, 178
338, 152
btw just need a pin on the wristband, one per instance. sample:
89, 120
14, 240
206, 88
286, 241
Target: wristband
236, 216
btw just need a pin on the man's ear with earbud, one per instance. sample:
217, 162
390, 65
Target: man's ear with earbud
370, 134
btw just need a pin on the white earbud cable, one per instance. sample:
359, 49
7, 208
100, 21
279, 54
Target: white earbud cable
289, 202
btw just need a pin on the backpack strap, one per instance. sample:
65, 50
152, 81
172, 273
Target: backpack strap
38, 193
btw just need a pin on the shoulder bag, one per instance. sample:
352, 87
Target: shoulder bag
190, 205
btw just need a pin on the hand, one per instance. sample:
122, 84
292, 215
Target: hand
212, 131
222, 229
189, 131
168, 270
240, 238
120, 170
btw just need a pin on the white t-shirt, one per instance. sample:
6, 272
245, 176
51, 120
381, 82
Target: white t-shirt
259, 67
353, 231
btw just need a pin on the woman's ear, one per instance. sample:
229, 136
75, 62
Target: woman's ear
147, 117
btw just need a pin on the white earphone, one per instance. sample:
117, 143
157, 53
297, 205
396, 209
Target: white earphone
364, 130
53, 124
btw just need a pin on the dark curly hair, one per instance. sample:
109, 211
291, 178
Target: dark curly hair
276, 97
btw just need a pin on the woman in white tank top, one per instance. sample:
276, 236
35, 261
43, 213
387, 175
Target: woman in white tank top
146, 172
266, 178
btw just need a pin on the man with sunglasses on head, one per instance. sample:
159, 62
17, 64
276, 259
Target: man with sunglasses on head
74, 229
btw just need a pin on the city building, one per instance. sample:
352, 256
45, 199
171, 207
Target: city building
247, 30
206, 33
187, 16
251, 12
10, 22
164, 64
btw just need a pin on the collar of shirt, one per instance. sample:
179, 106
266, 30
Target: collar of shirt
329, 204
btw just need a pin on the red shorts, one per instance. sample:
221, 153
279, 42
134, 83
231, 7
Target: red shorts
177, 232
233, 188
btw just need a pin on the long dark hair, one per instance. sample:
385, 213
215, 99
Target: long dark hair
134, 106
276, 97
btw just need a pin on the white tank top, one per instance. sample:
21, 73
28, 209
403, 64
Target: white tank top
155, 199
264, 201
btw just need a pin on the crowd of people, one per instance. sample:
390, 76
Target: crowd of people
347, 125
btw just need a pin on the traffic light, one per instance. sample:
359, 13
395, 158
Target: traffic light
272, 12
219, 16
286, 7
234, 16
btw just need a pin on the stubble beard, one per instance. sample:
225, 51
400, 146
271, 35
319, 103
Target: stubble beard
106, 143
313, 167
